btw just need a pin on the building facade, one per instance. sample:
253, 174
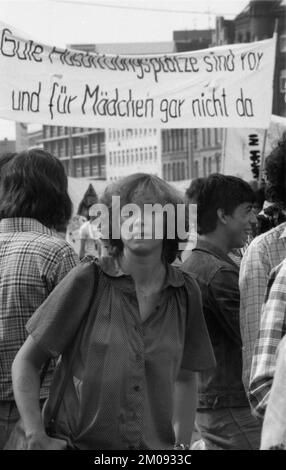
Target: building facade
192, 40
176, 154
131, 151
7, 146
257, 22
81, 150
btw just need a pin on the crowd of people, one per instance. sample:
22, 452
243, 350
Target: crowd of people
140, 345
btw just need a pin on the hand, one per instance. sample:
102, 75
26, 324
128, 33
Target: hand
41, 441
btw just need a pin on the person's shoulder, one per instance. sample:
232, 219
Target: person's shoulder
52, 241
204, 265
57, 247
84, 272
190, 281
261, 241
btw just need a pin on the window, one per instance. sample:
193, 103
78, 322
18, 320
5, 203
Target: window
86, 144
205, 167
146, 154
78, 168
67, 147
169, 144
61, 148
94, 144
179, 177
174, 139
210, 165
283, 43
217, 160
216, 136
169, 172
77, 146
196, 169
209, 137
183, 173
86, 167
195, 138
174, 175
283, 81
47, 131
165, 175
164, 141
204, 137
93, 166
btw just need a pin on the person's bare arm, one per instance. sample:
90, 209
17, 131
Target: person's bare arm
26, 386
185, 405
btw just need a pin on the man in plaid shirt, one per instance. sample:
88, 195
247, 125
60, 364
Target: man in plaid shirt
272, 329
33, 204
263, 254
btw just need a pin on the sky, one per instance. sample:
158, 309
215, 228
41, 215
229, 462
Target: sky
61, 22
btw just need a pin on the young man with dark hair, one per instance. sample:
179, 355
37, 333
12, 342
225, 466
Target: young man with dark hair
224, 216
34, 204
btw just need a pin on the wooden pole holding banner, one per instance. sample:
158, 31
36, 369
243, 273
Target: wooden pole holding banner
261, 167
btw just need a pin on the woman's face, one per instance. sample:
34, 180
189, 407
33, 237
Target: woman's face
140, 231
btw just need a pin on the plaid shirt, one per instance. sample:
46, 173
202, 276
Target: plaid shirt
33, 260
274, 424
263, 254
272, 329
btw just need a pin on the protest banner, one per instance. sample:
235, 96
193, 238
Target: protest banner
242, 146
225, 86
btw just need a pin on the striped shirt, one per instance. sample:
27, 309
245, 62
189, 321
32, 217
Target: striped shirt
263, 254
272, 329
33, 260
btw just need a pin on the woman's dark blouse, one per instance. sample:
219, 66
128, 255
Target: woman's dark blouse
121, 390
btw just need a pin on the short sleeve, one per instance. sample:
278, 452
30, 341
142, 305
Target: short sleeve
198, 353
55, 322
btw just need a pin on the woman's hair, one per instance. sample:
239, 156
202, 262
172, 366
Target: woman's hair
221, 192
275, 167
34, 185
141, 188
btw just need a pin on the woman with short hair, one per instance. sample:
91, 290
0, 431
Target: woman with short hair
137, 325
